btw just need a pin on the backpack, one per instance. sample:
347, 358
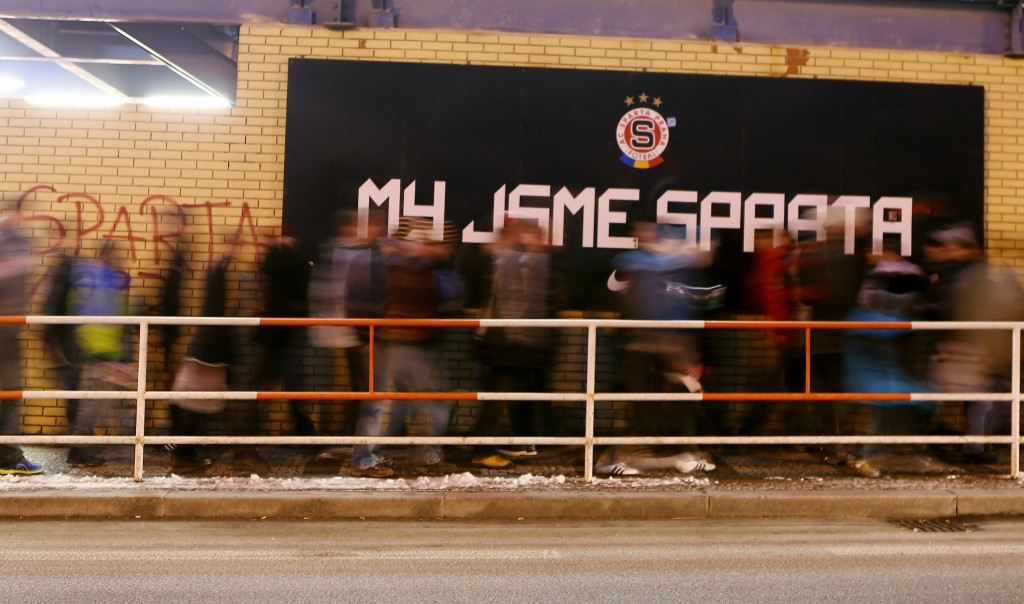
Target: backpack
98, 290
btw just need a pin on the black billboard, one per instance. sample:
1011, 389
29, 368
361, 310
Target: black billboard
584, 152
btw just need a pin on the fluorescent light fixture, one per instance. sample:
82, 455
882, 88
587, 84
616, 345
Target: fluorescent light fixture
186, 102
10, 83
75, 100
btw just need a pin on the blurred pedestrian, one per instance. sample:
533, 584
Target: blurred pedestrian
99, 289
349, 280
410, 358
205, 368
828, 279
524, 285
15, 268
966, 287
879, 360
770, 290
59, 338
285, 288
661, 275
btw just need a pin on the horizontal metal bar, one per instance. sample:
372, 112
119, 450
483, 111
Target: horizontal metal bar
549, 323
128, 320
70, 394
380, 396
499, 440
798, 440
159, 395
63, 439
363, 440
530, 396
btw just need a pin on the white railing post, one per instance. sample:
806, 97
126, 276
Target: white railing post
140, 399
588, 448
1015, 406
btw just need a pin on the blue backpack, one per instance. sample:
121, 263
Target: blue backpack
99, 290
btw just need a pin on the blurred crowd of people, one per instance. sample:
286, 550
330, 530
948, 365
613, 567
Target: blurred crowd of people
365, 272
948, 279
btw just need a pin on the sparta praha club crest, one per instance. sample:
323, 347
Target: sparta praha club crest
643, 133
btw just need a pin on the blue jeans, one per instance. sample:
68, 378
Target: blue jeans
986, 418
92, 411
404, 367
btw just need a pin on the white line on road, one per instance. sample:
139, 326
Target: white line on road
926, 549
165, 555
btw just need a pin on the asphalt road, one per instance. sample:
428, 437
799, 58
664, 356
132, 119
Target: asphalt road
679, 561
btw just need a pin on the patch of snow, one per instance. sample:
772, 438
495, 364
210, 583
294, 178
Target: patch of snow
642, 483
257, 483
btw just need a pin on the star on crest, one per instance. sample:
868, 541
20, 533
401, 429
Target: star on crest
657, 101
629, 101
643, 97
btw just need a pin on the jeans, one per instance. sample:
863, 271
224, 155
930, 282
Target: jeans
92, 410
986, 418
404, 367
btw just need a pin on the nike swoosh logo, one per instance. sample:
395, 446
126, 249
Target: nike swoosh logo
615, 284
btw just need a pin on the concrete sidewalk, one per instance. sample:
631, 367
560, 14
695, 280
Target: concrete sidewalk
506, 506
291, 483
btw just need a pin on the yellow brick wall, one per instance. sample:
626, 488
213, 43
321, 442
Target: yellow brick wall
81, 174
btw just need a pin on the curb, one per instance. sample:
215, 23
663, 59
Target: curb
504, 506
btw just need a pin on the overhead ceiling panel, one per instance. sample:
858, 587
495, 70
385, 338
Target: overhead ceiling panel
46, 77
192, 58
174, 11
80, 39
134, 60
9, 47
144, 80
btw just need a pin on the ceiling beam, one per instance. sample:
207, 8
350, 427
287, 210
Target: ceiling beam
48, 53
191, 58
82, 60
941, 25
225, 12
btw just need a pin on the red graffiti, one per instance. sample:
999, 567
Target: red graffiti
90, 218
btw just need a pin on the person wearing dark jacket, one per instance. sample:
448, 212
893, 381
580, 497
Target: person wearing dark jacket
517, 359
15, 267
205, 368
60, 338
286, 276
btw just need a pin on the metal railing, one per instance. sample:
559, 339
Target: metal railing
590, 396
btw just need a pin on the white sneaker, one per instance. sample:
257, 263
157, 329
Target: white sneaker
513, 451
691, 383
616, 469
696, 464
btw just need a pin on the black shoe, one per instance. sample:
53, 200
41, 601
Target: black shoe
84, 459
837, 457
